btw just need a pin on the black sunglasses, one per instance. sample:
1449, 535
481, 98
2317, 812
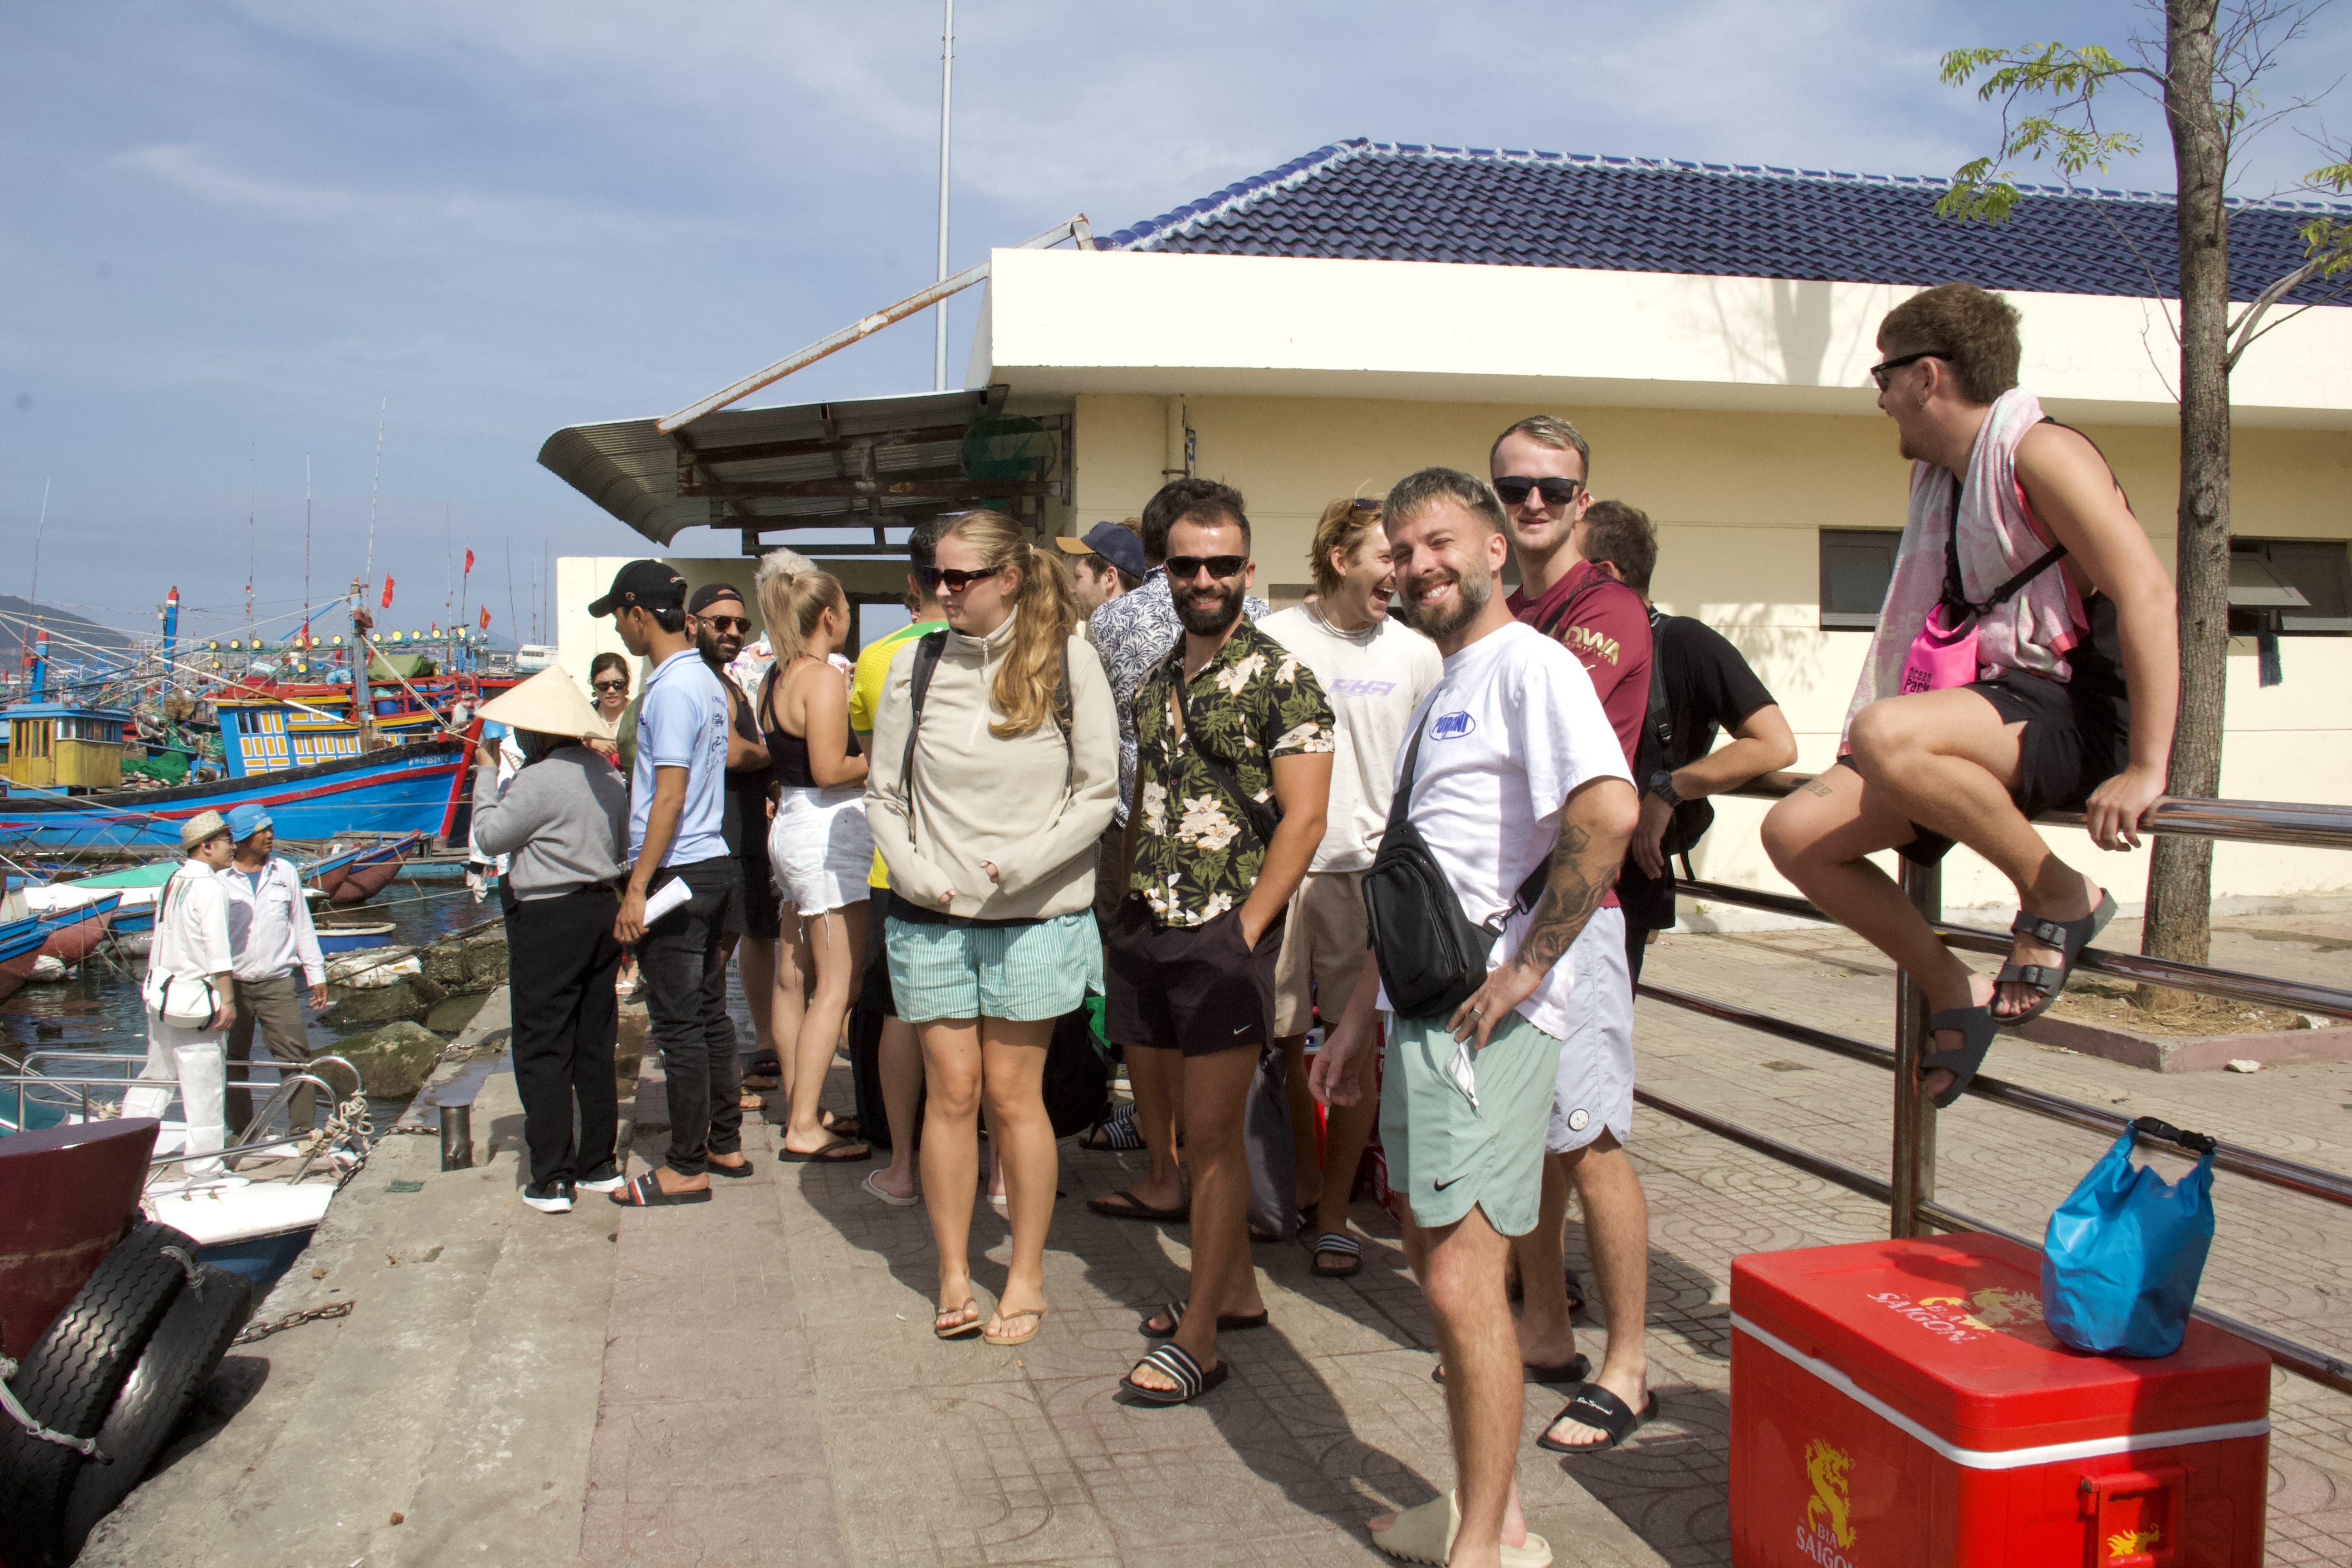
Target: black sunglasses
950, 578
1885, 368
1184, 568
726, 623
1555, 492
610, 685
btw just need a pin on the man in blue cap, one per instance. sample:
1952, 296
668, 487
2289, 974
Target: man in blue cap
270, 936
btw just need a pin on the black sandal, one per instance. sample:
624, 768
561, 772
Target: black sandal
732, 1173
1227, 1322
2069, 937
1976, 1027
822, 1154
1339, 1246
646, 1193
1114, 1132
1171, 1361
1596, 1407
1578, 1369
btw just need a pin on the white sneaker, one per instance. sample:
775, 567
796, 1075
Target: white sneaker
612, 1183
550, 1199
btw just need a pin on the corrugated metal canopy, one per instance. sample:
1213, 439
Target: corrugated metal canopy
880, 462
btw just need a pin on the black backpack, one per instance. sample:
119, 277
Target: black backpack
1432, 957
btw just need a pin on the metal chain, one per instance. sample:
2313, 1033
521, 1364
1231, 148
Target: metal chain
252, 1331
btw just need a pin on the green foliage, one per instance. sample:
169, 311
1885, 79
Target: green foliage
2068, 135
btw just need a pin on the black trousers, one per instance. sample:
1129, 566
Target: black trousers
561, 960
684, 967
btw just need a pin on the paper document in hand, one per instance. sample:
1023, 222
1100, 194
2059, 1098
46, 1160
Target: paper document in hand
670, 895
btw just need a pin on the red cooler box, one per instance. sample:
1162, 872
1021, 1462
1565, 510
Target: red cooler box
1900, 1405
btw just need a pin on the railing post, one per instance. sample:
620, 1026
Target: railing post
1915, 1117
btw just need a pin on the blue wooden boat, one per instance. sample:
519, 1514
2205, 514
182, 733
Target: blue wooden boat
406, 789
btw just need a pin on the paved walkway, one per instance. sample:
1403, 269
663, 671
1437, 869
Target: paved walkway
772, 1394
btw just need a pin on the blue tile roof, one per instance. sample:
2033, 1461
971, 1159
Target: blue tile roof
1404, 201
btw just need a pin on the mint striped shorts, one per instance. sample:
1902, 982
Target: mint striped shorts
1019, 974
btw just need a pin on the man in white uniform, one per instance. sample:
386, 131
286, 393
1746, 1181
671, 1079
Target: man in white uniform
191, 947
1511, 759
1375, 671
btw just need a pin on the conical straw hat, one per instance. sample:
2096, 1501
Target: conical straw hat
550, 703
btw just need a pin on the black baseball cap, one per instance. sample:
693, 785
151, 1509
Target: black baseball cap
710, 594
645, 586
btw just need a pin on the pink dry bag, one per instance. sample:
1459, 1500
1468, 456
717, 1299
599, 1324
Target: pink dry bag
1944, 654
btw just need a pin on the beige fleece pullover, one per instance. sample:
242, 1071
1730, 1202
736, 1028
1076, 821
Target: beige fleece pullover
1031, 806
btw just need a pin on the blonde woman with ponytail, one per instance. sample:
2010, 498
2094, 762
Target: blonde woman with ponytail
818, 840
988, 822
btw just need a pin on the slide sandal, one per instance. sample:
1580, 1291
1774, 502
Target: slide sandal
2069, 937
646, 1193
1596, 1407
1976, 1027
1227, 1322
1171, 1361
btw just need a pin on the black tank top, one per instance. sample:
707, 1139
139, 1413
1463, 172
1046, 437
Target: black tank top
745, 812
787, 755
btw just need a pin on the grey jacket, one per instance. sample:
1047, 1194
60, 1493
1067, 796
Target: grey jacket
563, 818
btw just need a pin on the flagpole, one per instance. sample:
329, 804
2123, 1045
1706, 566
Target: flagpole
947, 81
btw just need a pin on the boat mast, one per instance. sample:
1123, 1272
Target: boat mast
947, 82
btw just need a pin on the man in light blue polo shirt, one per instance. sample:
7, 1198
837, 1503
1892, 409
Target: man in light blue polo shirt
677, 805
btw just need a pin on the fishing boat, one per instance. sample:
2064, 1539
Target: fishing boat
405, 789
66, 934
354, 875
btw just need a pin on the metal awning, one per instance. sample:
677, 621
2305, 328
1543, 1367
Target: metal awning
877, 464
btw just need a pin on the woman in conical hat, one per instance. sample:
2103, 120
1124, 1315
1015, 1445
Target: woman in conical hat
563, 819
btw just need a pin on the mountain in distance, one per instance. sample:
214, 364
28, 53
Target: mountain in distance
17, 614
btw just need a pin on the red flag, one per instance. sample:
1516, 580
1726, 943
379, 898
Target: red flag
469, 561
486, 618
387, 591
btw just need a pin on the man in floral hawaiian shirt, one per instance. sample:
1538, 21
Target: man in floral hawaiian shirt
1233, 749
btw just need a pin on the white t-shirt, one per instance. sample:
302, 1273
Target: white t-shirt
1373, 679
1511, 732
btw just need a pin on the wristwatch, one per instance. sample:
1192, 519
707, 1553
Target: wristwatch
1662, 785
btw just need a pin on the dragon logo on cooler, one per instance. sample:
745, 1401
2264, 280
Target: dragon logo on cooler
1827, 1528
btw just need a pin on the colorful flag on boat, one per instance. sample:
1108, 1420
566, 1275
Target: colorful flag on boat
469, 561
387, 591
486, 618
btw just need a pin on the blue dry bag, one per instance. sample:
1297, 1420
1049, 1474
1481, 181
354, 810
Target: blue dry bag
2123, 1255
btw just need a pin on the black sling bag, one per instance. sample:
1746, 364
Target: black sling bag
1431, 958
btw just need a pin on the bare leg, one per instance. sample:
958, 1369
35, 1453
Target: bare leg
1305, 1157
1819, 837
1463, 1278
758, 958
1346, 1130
789, 1001
900, 1063
1224, 1280
1021, 1140
1547, 1337
951, 1076
837, 939
1157, 1078
1946, 761
1617, 1228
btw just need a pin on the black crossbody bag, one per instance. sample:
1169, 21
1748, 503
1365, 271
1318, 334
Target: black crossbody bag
1432, 957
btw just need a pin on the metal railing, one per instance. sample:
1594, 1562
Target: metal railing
31, 1080
1910, 1195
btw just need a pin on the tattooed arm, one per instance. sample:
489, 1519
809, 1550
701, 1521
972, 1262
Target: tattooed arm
1594, 827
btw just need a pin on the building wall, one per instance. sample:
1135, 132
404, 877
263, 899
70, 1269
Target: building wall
1738, 498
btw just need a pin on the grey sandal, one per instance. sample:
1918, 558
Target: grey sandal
2069, 937
1976, 1027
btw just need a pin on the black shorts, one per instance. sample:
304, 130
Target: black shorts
2077, 733
758, 912
1194, 989
873, 993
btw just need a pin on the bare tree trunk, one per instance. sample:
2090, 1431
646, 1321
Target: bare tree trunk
2180, 871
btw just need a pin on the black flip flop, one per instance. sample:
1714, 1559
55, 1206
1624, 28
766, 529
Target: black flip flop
646, 1193
732, 1173
1977, 1027
848, 1127
1575, 1371
825, 1155
1127, 1205
1171, 1361
2069, 937
1227, 1322
1597, 1408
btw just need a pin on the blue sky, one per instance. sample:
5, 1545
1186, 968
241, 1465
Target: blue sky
235, 230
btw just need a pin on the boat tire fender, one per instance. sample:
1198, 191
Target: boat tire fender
178, 1361
70, 1379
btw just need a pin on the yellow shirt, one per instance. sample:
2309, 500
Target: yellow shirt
866, 692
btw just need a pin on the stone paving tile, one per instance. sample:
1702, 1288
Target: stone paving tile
852, 1436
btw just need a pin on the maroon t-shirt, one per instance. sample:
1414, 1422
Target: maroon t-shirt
1607, 630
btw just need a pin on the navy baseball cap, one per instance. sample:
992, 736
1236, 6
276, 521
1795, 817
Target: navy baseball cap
645, 586
1113, 543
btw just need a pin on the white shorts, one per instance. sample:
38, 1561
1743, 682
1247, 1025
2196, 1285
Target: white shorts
820, 848
1595, 1088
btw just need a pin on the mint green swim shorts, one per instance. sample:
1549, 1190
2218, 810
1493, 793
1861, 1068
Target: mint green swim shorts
1444, 1152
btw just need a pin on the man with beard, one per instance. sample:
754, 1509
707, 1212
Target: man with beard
720, 624
1234, 740
1510, 761
1540, 467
